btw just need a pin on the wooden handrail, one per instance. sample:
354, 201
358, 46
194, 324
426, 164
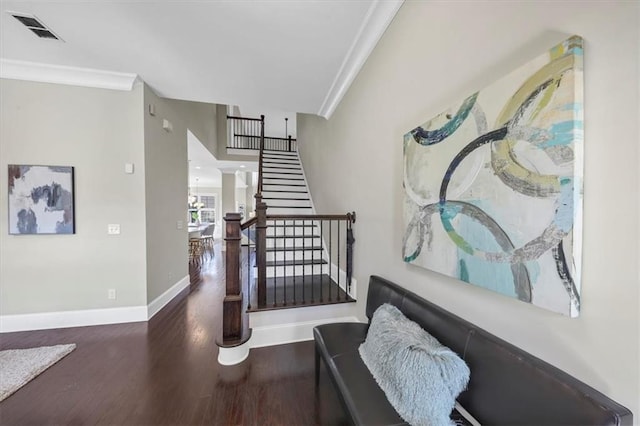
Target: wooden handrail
266, 137
349, 216
248, 223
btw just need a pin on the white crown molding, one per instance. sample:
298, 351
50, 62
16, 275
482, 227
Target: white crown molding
378, 18
71, 76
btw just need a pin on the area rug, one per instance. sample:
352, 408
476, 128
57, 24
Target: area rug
19, 366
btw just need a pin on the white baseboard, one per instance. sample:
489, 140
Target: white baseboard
87, 317
280, 334
166, 297
233, 356
66, 319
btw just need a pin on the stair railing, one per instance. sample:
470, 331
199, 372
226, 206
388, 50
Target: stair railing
287, 144
261, 158
245, 132
311, 261
248, 133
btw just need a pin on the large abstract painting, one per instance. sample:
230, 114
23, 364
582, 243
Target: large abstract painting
493, 185
41, 200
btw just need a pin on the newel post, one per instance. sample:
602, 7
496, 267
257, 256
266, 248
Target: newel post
232, 304
261, 249
290, 143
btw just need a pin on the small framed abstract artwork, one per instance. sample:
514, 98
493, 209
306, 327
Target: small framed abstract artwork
41, 200
493, 184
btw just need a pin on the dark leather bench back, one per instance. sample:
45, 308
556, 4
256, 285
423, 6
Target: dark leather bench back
508, 385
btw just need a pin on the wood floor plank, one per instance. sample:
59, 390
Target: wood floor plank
165, 372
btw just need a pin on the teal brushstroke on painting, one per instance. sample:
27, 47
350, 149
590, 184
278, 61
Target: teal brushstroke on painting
533, 267
463, 272
566, 126
564, 206
412, 257
577, 107
449, 212
576, 51
493, 276
563, 133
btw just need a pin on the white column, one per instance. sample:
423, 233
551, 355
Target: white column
228, 197
251, 192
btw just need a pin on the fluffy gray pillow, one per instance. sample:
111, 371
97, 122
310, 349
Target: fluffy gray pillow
420, 377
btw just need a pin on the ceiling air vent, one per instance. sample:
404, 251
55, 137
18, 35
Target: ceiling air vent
34, 25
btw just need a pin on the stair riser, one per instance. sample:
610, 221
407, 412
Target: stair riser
280, 158
288, 190
271, 182
269, 170
280, 154
296, 270
287, 203
284, 210
291, 242
297, 255
298, 231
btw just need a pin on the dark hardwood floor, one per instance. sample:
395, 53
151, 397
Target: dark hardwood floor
165, 372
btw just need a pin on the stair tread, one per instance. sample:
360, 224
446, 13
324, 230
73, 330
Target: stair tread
279, 167
284, 198
281, 178
297, 247
290, 160
288, 225
283, 184
293, 236
296, 262
279, 152
280, 157
280, 163
290, 192
301, 291
279, 173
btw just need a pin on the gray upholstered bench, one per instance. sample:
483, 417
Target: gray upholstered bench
508, 386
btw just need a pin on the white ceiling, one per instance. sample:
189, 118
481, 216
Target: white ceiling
287, 55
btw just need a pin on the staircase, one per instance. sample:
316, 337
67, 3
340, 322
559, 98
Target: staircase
297, 268
283, 186
292, 258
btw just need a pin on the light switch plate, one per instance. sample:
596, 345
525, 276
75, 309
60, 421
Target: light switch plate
113, 229
179, 224
128, 168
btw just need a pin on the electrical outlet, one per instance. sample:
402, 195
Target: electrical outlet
179, 224
111, 294
113, 229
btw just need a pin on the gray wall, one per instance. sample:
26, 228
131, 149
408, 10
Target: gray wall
200, 118
96, 131
435, 53
166, 190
